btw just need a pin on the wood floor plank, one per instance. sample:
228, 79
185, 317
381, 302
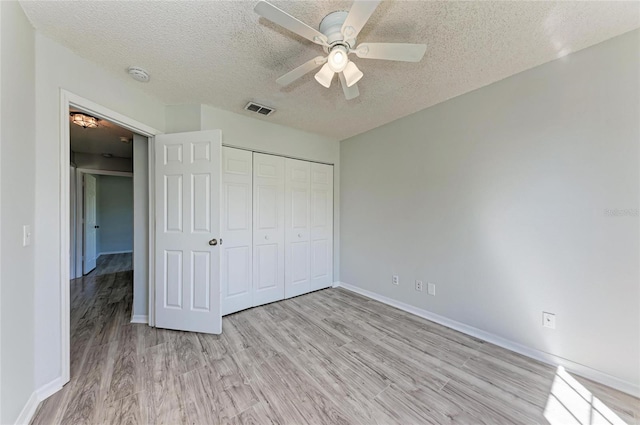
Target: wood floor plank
329, 357
126, 377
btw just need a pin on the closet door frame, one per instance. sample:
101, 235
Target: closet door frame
315, 283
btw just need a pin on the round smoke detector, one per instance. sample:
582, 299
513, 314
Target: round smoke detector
138, 74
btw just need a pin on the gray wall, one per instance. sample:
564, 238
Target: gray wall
99, 162
115, 214
17, 186
503, 197
141, 226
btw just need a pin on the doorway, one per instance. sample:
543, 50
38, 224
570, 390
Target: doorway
138, 172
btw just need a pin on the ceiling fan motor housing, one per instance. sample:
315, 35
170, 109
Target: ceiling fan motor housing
331, 26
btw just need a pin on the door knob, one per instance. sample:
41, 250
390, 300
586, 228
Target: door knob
299, 235
213, 242
266, 238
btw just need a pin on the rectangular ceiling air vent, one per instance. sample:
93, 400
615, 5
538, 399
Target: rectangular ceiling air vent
260, 109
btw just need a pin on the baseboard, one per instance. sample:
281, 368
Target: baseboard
49, 389
114, 252
41, 394
336, 284
28, 410
140, 318
551, 359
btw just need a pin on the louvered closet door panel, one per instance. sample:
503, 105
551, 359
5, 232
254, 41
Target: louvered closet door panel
296, 218
237, 230
321, 230
268, 228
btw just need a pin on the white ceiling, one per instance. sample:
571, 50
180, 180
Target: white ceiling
222, 54
103, 139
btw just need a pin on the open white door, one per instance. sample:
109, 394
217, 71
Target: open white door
90, 225
187, 252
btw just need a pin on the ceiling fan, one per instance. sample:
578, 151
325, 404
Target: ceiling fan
337, 34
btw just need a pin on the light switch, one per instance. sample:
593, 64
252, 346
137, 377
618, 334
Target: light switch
26, 235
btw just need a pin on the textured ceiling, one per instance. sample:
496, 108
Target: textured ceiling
223, 54
103, 139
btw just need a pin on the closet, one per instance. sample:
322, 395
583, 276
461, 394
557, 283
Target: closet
277, 228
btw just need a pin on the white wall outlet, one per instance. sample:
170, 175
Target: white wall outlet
548, 320
395, 279
26, 235
419, 285
431, 289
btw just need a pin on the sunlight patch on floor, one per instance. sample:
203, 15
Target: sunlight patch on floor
571, 403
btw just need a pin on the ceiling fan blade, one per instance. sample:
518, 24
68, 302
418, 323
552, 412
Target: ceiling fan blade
300, 71
349, 92
282, 18
392, 51
359, 14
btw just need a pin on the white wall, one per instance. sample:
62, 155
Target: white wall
57, 67
500, 197
17, 86
115, 203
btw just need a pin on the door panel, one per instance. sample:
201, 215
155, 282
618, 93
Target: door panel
237, 230
321, 217
90, 225
297, 260
268, 230
187, 179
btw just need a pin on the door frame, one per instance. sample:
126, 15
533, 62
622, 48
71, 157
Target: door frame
67, 100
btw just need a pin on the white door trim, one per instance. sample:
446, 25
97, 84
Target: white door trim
105, 172
68, 99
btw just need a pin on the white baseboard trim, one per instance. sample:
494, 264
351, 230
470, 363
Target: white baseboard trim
336, 284
49, 389
140, 318
36, 397
28, 410
551, 359
114, 252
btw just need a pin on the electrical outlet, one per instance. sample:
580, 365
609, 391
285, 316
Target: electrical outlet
419, 285
431, 289
548, 320
395, 279
26, 235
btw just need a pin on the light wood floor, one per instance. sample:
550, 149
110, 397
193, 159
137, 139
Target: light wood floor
330, 357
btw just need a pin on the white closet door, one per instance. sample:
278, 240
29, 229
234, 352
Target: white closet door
297, 248
268, 228
237, 230
321, 216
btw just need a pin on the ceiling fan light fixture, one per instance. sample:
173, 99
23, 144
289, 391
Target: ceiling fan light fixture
325, 75
352, 74
338, 59
84, 121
